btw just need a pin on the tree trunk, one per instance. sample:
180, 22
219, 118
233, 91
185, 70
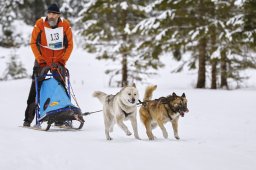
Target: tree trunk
124, 81
223, 62
214, 61
202, 59
123, 50
214, 73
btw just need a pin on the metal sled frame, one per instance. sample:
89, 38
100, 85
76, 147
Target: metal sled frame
70, 109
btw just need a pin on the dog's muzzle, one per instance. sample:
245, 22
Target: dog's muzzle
182, 111
132, 101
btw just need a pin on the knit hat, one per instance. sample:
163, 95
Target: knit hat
53, 8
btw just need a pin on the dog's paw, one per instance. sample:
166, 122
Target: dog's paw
177, 137
151, 138
137, 137
109, 138
165, 135
128, 133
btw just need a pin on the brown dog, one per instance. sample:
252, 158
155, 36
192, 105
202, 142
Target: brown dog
162, 110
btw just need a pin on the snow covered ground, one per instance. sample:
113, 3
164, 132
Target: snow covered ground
219, 132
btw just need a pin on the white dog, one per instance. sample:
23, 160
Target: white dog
120, 107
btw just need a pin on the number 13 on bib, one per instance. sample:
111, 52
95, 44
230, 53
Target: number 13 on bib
54, 38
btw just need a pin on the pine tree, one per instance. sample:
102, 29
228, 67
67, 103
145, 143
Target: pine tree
107, 29
71, 9
210, 29
31, 10
178, 26
248, 27
8, 12
234, 43
15, 69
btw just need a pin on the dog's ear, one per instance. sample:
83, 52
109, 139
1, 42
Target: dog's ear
124, 84
174, 94
183, 95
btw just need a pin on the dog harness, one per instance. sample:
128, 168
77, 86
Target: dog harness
126, 114
168, 111
164, 101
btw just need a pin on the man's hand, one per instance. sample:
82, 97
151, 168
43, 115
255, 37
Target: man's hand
58, 66
41, 72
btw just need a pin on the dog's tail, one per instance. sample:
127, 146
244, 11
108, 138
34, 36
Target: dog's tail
149, 92
100, 95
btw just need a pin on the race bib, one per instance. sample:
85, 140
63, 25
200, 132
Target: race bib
54, 38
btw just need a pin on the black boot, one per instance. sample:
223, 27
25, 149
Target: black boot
26, 124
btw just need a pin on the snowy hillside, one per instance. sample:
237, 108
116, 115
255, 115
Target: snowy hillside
219, 132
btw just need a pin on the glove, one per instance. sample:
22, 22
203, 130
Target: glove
58, 66
62, 62
42, 64
41, 72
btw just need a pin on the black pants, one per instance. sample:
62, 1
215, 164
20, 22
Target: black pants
31, 104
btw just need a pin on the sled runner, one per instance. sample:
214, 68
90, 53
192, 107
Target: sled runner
53, 102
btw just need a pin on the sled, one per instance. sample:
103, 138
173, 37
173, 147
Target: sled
53, 103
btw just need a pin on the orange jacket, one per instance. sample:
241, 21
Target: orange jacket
45, 56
